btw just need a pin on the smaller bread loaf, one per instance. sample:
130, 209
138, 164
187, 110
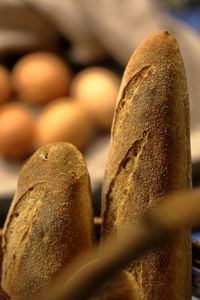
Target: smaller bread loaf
50, 222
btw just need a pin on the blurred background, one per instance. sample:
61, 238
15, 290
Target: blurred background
61, 63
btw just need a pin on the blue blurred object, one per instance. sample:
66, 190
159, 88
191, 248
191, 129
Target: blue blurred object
195, 266
189, 15
196, 236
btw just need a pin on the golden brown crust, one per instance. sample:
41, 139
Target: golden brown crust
3, 295
149, 157
50, 222
121, 288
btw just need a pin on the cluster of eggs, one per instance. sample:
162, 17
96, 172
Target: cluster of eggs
71, 107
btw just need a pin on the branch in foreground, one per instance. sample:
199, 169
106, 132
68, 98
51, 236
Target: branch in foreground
177, 211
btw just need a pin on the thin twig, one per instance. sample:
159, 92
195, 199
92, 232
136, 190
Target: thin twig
177, 212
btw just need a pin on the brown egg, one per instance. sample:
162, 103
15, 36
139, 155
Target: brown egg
96, 89
64, 120
5, 84
40, 77
16, 130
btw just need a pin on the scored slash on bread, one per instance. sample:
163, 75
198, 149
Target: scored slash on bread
149, 157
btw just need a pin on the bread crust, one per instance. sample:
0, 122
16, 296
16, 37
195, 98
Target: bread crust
50, 222
149, 157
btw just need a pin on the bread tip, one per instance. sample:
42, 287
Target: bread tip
57, 145
54, 151
163, 40
166, 32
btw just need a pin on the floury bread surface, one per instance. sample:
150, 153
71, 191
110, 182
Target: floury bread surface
50, 222
149, 157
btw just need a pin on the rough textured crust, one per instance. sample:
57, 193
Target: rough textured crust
121, 288
50, 222
149, 157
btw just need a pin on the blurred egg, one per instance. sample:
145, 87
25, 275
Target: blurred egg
96, 89
5, 84
64, 120
16, 130
40, 77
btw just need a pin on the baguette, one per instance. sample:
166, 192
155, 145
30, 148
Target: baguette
50, 222
149, 157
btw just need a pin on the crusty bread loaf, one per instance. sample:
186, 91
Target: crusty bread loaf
50, 222
149, 157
